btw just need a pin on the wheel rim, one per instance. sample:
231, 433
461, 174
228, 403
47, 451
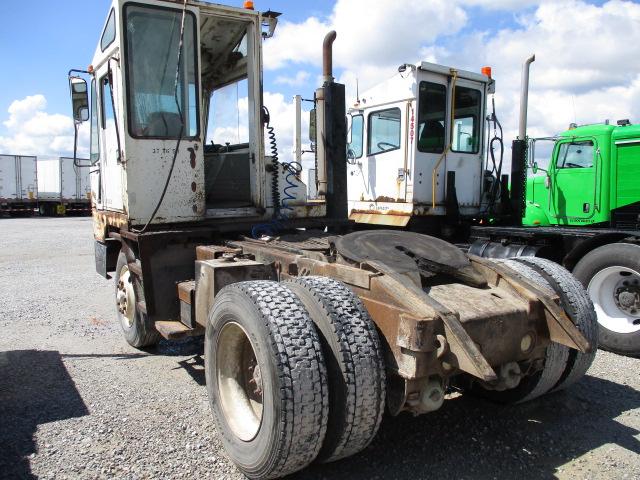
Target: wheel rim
615, 292
126, 298
239, 381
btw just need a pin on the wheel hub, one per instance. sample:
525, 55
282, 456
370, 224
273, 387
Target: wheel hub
627, 298
240, 382
615, 292
126, 298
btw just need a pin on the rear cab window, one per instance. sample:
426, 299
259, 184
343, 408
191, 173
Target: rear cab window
384, 131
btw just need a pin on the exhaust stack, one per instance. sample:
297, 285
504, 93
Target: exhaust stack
331, 137
519, 151
327, 56
327, 77
524, 97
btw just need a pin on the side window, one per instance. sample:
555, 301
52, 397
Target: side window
357, 134
432, 105
384, 131
109, 34
95, 142
107, 103
575, 155
466, 126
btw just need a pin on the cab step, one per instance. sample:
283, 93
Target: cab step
186, 296
175, 330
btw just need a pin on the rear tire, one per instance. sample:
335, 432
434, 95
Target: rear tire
555, 361
355, 364
603, 271
266, 379
138, 330
576, 302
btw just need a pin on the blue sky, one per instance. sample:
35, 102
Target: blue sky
588, 66
63, 34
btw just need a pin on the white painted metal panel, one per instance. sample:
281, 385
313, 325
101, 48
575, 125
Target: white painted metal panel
28, 177
8, 178
74, 180
18, 178
49, 179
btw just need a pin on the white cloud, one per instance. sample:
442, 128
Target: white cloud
300, 78
33, 131
378, 34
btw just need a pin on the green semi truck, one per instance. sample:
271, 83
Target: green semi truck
583, 211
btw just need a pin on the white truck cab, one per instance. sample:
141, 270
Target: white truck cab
154, 76
414, 140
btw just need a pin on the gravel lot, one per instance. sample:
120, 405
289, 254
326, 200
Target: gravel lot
77, 402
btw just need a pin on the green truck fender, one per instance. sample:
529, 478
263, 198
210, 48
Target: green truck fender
535, 215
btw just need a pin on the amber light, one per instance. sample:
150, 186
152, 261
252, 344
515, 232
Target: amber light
248, 4
486, 71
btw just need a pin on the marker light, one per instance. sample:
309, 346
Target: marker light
90, 69
486, 71
248, 4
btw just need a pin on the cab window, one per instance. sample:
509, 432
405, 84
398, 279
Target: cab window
466, 126
384, 131
357, 132
109, 34
431, 117
575, 155
95, 143
158, 107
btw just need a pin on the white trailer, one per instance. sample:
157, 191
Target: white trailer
18, 184
63, 186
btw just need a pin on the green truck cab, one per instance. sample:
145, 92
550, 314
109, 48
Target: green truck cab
593, 179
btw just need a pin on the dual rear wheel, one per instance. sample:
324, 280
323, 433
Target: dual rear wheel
294, 373
561, 365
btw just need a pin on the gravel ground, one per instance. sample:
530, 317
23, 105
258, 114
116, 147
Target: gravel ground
77, 402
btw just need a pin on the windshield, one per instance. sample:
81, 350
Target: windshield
156, 108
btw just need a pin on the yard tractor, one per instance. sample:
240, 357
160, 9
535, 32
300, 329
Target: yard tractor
312, 328
422, 157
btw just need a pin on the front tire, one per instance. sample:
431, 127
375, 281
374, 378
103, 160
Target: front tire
611, 275
137, 328
266, 379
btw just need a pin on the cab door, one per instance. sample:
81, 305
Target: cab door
384, 166
111, 171
573, 181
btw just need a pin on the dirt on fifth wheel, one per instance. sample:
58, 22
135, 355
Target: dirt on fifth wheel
77, 402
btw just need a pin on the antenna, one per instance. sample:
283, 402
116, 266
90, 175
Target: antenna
573, 100
357, 91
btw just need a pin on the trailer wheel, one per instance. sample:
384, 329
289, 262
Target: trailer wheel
611, 274
355, 364
576, 302
138, 330
555, 361
266, 379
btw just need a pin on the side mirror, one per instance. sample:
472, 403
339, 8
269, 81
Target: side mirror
79, 99
534, 168
312, 126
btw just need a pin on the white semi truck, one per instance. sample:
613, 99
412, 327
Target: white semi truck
312, 329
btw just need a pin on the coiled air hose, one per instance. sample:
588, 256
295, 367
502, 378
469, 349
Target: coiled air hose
293, 170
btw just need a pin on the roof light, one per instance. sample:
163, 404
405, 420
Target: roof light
248, 4
486, 71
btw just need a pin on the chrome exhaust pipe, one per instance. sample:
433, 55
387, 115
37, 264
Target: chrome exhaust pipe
524, 97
